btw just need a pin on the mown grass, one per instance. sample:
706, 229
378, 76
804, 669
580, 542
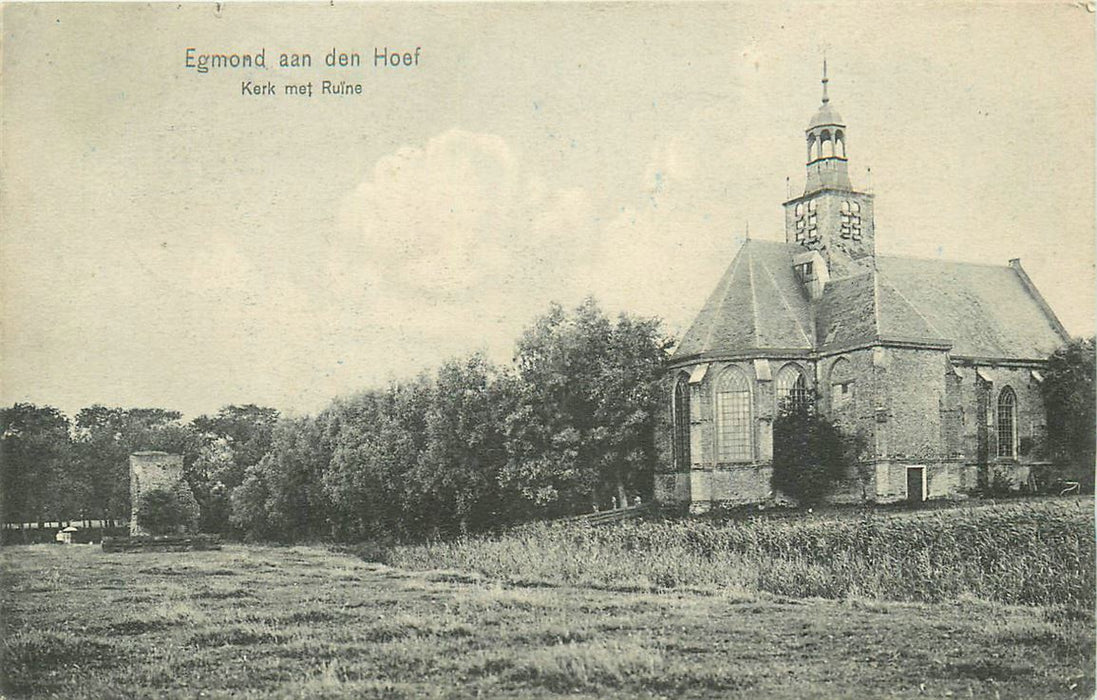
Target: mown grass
304, 622
1038, 553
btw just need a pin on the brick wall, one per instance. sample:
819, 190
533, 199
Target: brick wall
155, 470
911, 391
910, 407
854, 411
664, 426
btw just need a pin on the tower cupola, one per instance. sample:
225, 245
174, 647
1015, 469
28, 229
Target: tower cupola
830, 217
826, 147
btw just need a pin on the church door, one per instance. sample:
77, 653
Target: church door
915, 480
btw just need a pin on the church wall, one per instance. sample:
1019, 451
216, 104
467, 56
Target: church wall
942, 478
972, 418
670, 487
708, 480
907, 415
1030, 412
1031, 422
911, 392
664, 425
854, 412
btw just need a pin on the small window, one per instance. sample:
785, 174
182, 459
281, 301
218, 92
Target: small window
807, 226
841, 383
850, 227
805, 272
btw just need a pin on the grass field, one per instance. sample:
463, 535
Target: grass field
307, 622
1033, 552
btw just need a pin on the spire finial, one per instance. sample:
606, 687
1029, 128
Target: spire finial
748, 229
826, 98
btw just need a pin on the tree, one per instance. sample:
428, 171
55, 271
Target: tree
375, 438
212, 473
282, 496
37, 477
105, 438
455, 483
225, 446
249, 506
1068, 391
163, 511
586, 391
810, 454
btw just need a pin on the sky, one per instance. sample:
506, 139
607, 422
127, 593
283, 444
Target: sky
167, 240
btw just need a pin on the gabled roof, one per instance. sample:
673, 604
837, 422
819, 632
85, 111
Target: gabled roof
981, 311
985, 311
846, 313
758, 305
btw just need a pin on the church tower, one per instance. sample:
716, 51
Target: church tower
830, 216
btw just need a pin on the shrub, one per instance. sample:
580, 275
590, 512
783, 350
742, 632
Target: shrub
165, 511
810, 454
1069, 397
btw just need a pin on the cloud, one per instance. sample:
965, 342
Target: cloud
460, 243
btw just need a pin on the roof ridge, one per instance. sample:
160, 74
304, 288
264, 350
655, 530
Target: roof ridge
722, 297
940, 261
1034, 293
753, 298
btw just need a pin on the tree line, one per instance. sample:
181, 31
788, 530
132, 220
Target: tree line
567, 426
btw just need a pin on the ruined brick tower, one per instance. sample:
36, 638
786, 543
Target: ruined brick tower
155, 470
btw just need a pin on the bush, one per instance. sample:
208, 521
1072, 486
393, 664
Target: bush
165, 511
1070, 400
810, 454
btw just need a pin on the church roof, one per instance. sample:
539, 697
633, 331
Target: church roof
987, 311
760, 307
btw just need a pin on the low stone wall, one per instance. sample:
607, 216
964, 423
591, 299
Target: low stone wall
171, 543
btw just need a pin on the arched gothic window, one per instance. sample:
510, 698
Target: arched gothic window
1007, 423
841, 383
681, 423
792, 388
733, 417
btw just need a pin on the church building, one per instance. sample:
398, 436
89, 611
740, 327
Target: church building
935, 366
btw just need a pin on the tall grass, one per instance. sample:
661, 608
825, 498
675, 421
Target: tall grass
1037, 553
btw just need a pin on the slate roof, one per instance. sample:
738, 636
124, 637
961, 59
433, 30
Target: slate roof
760, 307
983, 310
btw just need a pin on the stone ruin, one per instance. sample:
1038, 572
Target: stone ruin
151, 470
